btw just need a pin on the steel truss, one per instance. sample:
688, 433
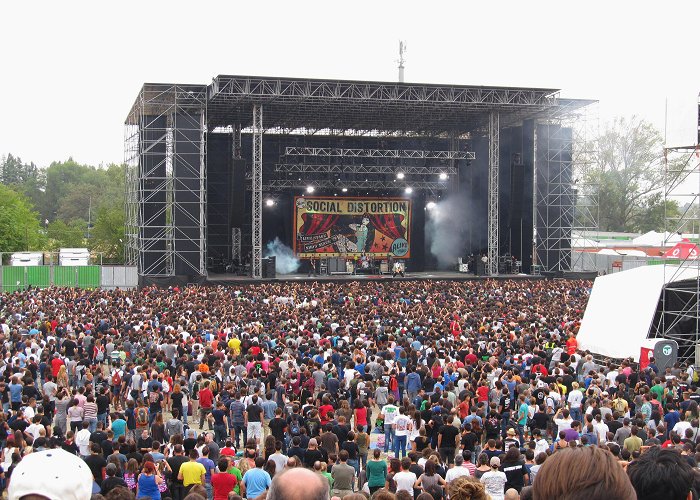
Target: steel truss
379, 153
369, 184
494, 153
165, 135
304, 168
680, 307
554, 199
236, 244
369, 107
256, 258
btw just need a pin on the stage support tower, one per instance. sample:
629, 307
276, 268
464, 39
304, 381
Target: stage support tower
256, 258
494, 152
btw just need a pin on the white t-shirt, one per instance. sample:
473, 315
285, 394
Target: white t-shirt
390, 412
456, 472
82, 441
405, 481
403, 425
575, 398
563, 424
494, 481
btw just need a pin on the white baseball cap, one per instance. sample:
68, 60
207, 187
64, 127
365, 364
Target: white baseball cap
54, 474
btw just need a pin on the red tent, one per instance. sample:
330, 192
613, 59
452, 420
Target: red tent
683, 250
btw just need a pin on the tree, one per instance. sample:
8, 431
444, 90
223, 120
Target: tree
107, 235
71, 235
19, 224
627, 175
25, 178
654, 213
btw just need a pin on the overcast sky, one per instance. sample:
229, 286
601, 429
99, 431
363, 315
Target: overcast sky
72, 69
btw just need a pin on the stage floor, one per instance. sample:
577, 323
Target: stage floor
430, 275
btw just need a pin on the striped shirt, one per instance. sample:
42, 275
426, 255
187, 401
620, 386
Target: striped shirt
90, 410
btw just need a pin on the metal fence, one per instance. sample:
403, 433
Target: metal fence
607, 264
14, 278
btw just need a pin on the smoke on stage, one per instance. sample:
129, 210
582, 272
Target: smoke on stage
285, 261
446, 230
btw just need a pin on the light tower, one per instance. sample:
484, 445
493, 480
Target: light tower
402, 59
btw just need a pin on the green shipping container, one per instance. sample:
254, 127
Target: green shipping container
88, 276
13, 278
64, 276
38, 276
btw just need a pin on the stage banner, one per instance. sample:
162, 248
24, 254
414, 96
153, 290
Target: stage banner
351, 227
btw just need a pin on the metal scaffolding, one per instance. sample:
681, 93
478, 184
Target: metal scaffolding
554, 198
678, 314
494, 153
365, 184
236, 244
305, 168
166, 136
379, 153
165, 148
256, 257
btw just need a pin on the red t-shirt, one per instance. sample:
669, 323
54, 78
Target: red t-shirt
56, 365
323, 411
483, 393
206, 398
223, 483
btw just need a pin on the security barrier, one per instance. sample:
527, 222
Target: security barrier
21, 277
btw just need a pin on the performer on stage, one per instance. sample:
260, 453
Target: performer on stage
398, 269
312, 266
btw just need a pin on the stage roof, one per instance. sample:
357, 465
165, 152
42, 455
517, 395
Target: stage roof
343, 106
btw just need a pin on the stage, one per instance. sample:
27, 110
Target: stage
222, 279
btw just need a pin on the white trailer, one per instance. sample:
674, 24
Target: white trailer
73, 257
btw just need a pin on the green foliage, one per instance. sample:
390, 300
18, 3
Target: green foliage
19, 223
653, 213
627, 177
62, 235
107, 236
68, 194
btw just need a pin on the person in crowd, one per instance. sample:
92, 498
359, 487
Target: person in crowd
662, 473
584, 472
324, 372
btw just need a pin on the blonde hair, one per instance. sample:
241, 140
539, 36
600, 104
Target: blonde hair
467, 488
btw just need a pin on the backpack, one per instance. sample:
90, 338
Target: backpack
294, 427
141, 416
393, 384
116, 379
153, 397
492, 424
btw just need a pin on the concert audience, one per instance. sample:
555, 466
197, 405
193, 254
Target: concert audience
295, 390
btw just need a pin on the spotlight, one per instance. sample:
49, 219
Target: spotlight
400, 175
409, 190
430, 205
310, 189
345, 190
269, 202
443, 176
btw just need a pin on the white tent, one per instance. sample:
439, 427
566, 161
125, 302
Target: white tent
621, 309
655, 239
632, 253
607, 251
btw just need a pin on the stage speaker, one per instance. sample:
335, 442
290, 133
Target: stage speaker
268, 267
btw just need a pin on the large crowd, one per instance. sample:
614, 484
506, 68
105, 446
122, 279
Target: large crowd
421, 390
